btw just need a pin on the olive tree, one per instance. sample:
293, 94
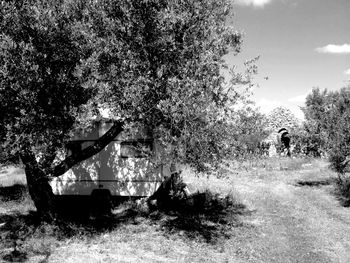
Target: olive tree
327, 119
154, 62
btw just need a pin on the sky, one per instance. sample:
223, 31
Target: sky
301, 43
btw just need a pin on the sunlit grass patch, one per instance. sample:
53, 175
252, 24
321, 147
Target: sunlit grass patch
11, 175
272, 163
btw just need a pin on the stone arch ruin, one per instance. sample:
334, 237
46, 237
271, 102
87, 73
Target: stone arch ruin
285, 140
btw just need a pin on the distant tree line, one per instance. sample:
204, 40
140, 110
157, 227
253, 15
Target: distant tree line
325, 131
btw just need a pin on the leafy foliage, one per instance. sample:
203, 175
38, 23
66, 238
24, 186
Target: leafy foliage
327, 116
154, 63
148, 61
306, 143
39, 88
282, 117
250, 129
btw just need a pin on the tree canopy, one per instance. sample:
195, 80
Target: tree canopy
250, 129
282, 117
158, 63
327, 115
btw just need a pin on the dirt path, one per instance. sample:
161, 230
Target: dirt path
293, 223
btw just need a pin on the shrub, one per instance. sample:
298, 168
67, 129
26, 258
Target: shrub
343, 189
328, 120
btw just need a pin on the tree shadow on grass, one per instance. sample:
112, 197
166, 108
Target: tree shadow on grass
202, 216
20, 224
15, 229
17, 224
343, 199
15, 192
316, 183
341, 189
25, 235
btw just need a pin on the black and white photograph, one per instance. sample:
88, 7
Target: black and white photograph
182, 131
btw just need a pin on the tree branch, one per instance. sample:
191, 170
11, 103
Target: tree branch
99, 145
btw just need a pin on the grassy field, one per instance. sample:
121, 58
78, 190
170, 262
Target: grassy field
283, 210
10, 175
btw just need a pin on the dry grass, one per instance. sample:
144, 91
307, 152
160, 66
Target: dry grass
274, 164
14, 197
131, 234
276, 214
10, 175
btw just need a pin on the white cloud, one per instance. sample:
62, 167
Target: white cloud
298, 99
334, 49
347, 72
259, 3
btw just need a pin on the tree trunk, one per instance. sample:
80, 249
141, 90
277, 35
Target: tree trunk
41, 194
39, 188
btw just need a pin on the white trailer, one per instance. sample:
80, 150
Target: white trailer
128, 167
